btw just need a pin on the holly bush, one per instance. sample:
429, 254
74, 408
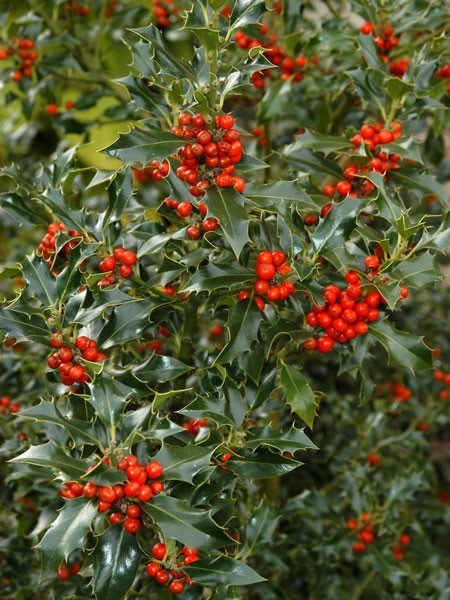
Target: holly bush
224, 228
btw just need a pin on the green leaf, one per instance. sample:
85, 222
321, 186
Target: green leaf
402, 348
290, 441
318, 142
56, 202
159, 368
120, 191
127, 322
222, 571
396, 87
48, 412
309, 162
437, 239
212, 408
108, 397
262, 465
212, 277
262, 525
103, 474
268, 194
202, 28
246, 12
226, 205
298, 393
243, 326
369, 51
67, 533
190, 526
116, 560
50, 456
274, 101
182, 463
22, 326
40, 282
143, 145
336, 228
414, 179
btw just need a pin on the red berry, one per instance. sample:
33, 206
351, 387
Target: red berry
131, 489
154, 470
162, 577
325, 344
261, 287
134, 511
184, 209
65, 354
273, 293
145, 493
132, 525
107, 264
278, 258
52, 109
225, 121
152, 569
125, 271
238, 184
90, 354
352, 277
244, 295
265, 257
343, 187
210, 224
194, 232
328, 190
224, 180
63, 572
367, 28
265, 271
372, 261
129, 258
159, 551
90, 490
82, 342
176, 587
107, 494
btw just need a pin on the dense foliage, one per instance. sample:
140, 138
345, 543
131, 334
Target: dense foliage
223, 241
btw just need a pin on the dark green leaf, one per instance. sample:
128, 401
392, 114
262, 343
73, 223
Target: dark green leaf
143, 145
402, 348
159, 368
262, 465
227, 206
243, 325
183, 462
50, 456
298, 393
223, 571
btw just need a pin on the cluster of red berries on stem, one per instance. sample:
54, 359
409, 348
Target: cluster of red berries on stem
444, 73
400, 548
7, 406
400, 392
365, 528
444, 378
66, 358
193, 425
271, 270
123, 499
153, 171
211, 155
166, 569
75, 9
185, 209
288, 66
64, 571
163, 9
120, 264
47, 247
345, 314
385, 41
25, 55
52, 109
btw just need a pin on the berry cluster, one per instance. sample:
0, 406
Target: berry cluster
75, 9
258, 133
118, 265
365, 530
345, 314
385, 41
25, 56
163, 10
153, 171
444, 378
6, 406
166, 568
193, 426
185, 209
400, 392
47, 247
373, 458
271, 269
444, 73
288, 66
66, 359
64, 571
211, 155
122, 499
400, 549
376, 135
52, 109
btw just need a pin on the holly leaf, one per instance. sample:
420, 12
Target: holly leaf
262, 525
116, 560
298, 393
222, 571
182, 463
246, 12
143, 145
262, 465
226, 205
158, 368
290, 441
67, 533
108, 397
211, 277
270, 194
402, 348
336, 228
190, 526
51, 456
127, 322
40, 282
318, 142
243, 326
23, 326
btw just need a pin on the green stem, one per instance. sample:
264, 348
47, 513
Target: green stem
332, 9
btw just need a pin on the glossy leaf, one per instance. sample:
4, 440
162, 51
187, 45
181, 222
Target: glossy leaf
298, 393
224, 571
403, 348
227, 206
243, 325
50, 456
183, 462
